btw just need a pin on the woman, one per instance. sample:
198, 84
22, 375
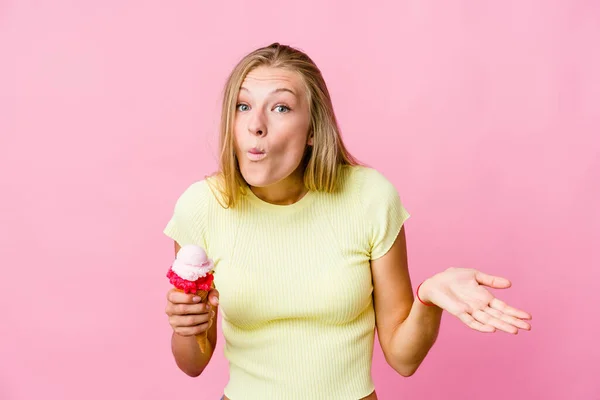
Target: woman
310, 251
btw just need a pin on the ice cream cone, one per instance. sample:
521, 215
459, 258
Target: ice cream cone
191, 272
202, 338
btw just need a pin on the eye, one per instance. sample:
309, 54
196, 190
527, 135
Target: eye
282, 109
242, 107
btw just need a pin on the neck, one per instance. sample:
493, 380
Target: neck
288, 191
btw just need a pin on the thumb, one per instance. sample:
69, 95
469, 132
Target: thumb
213, 297
497, 282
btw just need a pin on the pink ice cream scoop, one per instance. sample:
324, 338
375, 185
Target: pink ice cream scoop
191, 270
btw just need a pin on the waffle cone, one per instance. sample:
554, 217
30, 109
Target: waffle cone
202, 338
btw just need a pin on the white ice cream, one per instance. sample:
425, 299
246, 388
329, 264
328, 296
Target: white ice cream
192, 263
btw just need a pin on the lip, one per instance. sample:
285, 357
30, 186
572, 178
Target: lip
256, 150
255, 154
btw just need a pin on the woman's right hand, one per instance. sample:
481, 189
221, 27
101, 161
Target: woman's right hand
187, 315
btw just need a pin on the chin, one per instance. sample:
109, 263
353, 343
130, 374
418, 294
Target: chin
257, 183
257, 179
262, 174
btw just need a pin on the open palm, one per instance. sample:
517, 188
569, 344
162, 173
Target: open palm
462, 292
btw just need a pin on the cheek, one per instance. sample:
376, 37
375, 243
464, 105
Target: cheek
289, 147
240, 126
295, 134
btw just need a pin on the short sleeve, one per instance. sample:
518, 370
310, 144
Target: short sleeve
187, 223
385, 212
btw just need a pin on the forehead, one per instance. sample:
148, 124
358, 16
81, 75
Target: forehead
269, 78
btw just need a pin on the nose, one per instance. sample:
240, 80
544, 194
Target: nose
256, 124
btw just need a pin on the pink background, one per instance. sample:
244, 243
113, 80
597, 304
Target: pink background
485, 114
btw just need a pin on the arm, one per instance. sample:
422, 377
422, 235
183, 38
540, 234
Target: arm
406, 328
185, 349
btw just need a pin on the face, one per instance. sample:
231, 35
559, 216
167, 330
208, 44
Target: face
271, 126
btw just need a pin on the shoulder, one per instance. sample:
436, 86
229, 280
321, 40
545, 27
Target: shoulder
194, 193
383, 210
370, 185
193, 213
200, 196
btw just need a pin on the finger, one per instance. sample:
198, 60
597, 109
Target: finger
463, 312
183, 321
213, 297
507, 318
501, 306
187, 309
472, 323
490, 320
492, 281
191, 330
177, 297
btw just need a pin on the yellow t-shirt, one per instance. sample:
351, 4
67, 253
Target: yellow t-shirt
295, 283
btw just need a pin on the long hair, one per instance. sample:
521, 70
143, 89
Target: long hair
323, 160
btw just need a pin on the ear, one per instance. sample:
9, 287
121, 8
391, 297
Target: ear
310, 140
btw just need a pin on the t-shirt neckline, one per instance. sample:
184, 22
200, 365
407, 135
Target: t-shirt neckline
280, 208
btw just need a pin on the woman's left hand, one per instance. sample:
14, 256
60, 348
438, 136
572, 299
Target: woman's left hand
462, 292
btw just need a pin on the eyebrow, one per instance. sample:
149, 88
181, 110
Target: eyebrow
278, 90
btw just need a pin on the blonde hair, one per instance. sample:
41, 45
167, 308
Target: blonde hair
323, 160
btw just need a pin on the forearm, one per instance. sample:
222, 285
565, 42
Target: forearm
187, 354
414, 337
